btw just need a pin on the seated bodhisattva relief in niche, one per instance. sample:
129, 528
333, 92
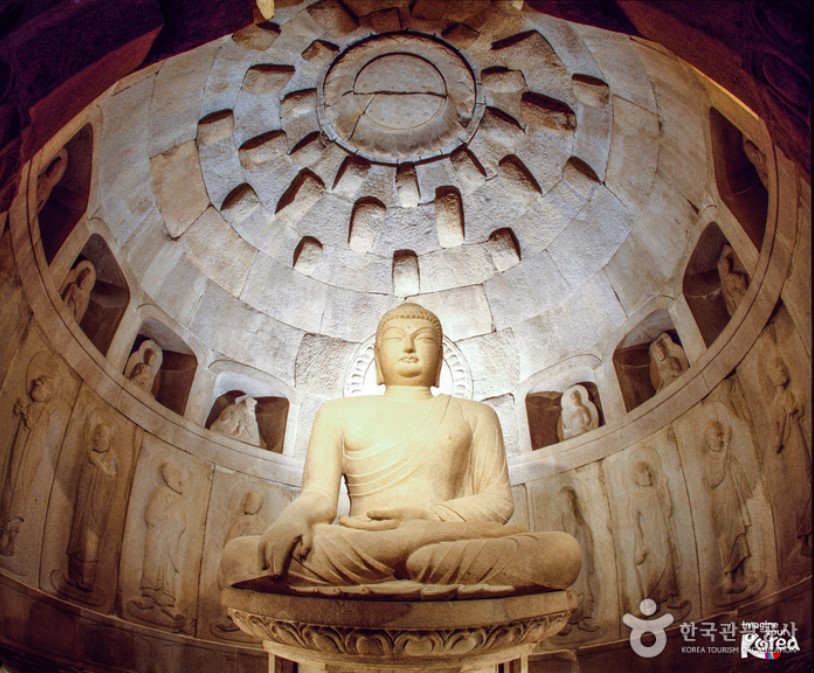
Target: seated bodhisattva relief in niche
579, 415
667, 361
143, 366
239, 420
429, 493
76, 289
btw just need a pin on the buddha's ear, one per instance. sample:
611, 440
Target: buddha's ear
379, 377
437, 383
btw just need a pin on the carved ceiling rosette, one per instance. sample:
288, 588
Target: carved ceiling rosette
400, 96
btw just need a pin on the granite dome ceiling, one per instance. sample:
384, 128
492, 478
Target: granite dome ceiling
529, 179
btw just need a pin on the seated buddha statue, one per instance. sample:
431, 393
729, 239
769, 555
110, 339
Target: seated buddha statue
428, 486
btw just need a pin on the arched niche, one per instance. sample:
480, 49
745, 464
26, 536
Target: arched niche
632, 359
63, 187
543, 410
740, 175
714, 282
108, 297
173, 365
271, 413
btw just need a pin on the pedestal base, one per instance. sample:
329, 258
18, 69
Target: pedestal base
341, 635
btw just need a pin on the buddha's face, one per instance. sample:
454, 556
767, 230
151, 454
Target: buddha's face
252, 503
408, 353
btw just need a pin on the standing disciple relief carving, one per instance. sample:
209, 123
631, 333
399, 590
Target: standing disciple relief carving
35, 429
656, 554
428, 486
247, 521
143, 366
733, 283
76, 289
667, 361
94, 492
579, 415
729, 491
789, 443
239, 420
573, 522
165, 518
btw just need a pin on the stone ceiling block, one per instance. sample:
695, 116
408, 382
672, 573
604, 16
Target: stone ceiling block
261, 150
240, 203
215, 127
351, 176
258, 37
178, 171
177, 94
182, 289
622, 68
492, 359
366, 220
298, 103
449, 217
406, 273
307, 255
550, 215
454, 267
218, 250
353, 316
590, 91
590, 240
525, 291
383, 21
267, 77
571, 327
633, 153
593, 137
246, 335
504, 248
332, 16
125, 137
463, 311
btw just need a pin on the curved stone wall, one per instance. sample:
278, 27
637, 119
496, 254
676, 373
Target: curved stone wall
643, 484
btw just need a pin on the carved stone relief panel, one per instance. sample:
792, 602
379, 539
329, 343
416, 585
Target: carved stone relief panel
777, 380
239, 506
577, 502
88, 502
14, 310
161, 551
730, 507
35, 404
652, 528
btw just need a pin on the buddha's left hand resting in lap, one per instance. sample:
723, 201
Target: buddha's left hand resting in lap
428, 485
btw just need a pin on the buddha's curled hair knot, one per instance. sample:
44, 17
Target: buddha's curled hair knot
408, 311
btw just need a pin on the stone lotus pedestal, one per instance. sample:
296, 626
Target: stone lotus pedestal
368, 633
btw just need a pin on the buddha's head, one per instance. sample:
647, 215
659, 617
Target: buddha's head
408, 349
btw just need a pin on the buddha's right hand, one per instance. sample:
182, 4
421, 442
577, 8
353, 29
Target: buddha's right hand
283, 540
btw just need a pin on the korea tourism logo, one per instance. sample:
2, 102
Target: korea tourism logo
764, 640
